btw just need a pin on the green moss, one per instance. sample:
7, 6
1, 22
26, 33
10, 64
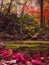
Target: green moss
16, 45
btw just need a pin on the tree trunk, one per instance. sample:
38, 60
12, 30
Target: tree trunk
9, 6
21, 31
41, 15
44, 21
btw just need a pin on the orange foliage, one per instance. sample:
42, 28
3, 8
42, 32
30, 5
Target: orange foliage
24, 6
38, 11
31, 11
46, 10
46, 5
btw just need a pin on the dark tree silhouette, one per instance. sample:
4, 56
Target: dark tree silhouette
41, 15
9, 6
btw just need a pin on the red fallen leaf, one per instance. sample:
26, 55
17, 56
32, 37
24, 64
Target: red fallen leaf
4, 52
14, 55
10, 51
36, 62
36, 56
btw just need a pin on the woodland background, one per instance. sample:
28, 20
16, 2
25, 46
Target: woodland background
24, 19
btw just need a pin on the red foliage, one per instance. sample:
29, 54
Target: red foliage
31, 11
46, 10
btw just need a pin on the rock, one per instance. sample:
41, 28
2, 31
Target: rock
34, 37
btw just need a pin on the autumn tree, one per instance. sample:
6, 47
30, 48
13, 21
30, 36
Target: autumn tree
46, 12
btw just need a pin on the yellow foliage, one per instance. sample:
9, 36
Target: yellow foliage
7, 0
37, 20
